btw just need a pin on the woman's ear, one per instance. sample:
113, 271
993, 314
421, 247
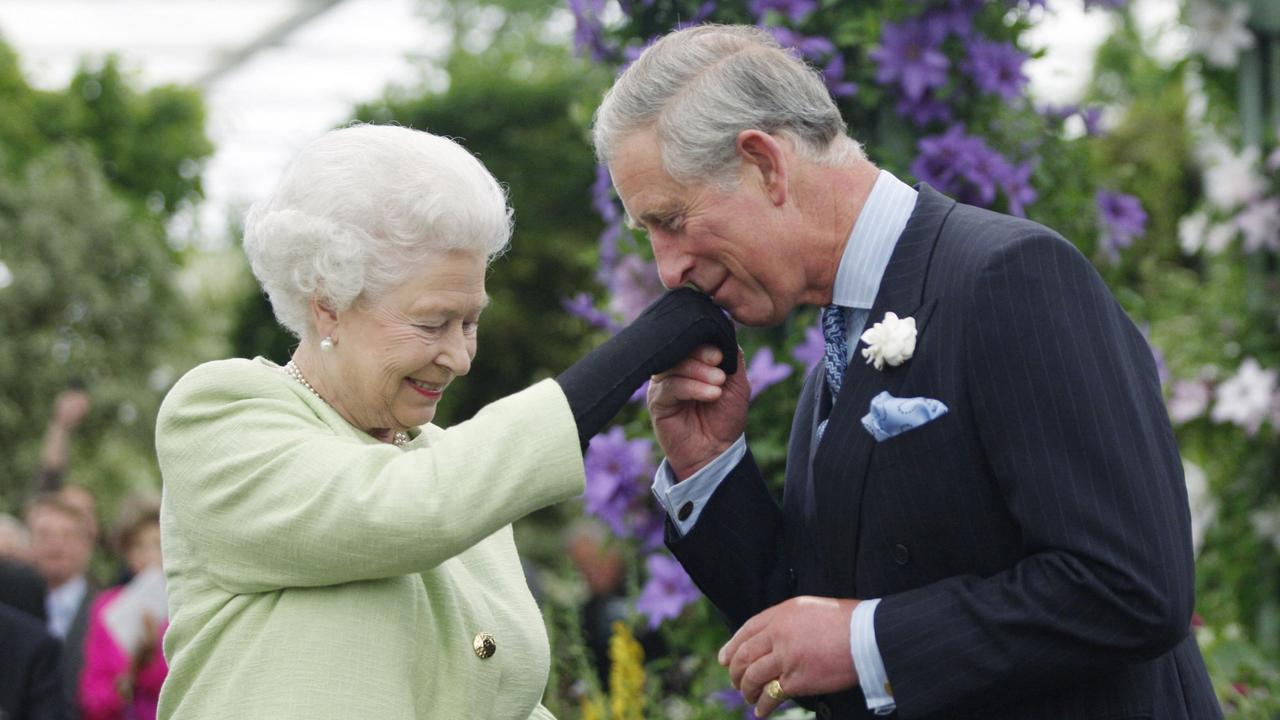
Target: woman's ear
765, 157
323, 318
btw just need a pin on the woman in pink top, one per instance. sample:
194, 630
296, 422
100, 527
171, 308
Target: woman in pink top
124, 683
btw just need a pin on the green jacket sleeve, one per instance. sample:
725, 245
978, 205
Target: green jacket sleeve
268, 495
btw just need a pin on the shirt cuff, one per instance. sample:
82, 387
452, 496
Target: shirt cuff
684, 500
867, 661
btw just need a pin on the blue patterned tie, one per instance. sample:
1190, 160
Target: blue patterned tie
836, 355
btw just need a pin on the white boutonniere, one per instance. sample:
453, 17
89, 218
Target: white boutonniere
891, 341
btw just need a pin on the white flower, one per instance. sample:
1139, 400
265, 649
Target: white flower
1260, 223
891, 341
1245, 398
1273, 160
1191, 232
1230, 180
1189, 400
1266, 523
1219, 33
1204, 507
1220, 236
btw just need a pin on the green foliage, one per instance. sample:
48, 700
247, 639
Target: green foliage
90, 174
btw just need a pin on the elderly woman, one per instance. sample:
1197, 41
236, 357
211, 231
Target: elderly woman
329, 553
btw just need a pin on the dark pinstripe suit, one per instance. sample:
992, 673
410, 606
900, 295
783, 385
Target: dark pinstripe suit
1032, 547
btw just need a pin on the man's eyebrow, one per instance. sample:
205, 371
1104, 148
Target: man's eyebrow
655, 215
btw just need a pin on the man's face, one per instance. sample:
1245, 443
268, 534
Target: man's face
60, 545
731, 245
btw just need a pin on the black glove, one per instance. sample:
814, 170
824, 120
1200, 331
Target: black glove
667, 332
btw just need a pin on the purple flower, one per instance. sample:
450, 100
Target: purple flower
732, 700
634, 284
996, 67
1092, 121
608, 243
763, 372
1122, 219
795, 10
619, 472
909, 55
704, 12
1105, 4
1058, 112
588, 31
833, 76
809, 353
813, 47
667, 591
602, 195
1017, 188
964, 166
924, 111
955, 18
583, 305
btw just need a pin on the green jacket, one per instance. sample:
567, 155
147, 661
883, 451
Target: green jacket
314, 572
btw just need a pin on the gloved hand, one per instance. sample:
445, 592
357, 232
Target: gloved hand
667, 332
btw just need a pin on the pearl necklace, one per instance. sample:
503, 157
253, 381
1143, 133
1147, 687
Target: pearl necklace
290, 369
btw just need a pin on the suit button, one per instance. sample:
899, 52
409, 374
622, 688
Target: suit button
901, 554
685, 511
484, 645
824, 711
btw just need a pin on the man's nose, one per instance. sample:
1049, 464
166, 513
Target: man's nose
674, 266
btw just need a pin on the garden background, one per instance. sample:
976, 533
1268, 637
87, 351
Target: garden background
1163, 172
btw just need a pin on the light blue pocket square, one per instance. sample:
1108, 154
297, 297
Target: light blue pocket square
891, 416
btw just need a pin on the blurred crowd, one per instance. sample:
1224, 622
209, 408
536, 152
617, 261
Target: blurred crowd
82, 610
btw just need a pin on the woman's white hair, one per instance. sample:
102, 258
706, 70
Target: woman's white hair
362, 208
698, 88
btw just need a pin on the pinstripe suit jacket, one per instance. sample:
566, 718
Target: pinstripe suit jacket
1031, 547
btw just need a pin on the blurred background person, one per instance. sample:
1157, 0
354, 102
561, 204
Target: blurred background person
30, 676
22, 588
61, 549
122, 675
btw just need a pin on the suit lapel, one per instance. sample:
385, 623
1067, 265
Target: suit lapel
841, 459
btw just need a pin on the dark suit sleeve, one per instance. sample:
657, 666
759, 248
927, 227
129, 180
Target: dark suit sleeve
732, 553
1071, 420
44, 693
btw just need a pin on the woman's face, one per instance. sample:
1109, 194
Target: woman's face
393, 358
144, 548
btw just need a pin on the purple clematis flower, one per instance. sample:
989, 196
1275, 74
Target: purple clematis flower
810, 352
909, 55
996, 68
1105, 4
633, 285
953, 18
667, 591
588, 31
619, 472
764, 372
810, 47
795, 10
704, 12
602, 195
1092, 121
924, 111
1122, 219
966, 167
833, 76
1017, 188
583, 306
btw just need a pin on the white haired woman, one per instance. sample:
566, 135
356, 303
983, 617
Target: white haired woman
329, 552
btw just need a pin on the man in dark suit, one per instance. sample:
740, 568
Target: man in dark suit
30, 677
61, 547
984, 515
22, 588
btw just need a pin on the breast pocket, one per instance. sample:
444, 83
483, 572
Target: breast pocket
930, 442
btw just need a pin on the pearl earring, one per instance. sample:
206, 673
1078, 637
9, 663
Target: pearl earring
327, 344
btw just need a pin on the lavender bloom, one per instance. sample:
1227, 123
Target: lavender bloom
1122, 219
795, 10
1017, 188
667, 591
955, 18
1058, 112
909, 56
809, 353
1092, 121
924, 111
583, 306
602, 195
967, 168
1105, 4
764, 372
634, 284
811, 47
996, 67
608, 243
618, 473
588, 31
833, 76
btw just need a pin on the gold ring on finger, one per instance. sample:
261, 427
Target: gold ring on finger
775, 691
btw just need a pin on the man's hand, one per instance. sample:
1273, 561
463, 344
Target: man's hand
697, 410
803, 643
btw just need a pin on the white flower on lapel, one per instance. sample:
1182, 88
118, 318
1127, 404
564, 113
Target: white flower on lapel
891, 341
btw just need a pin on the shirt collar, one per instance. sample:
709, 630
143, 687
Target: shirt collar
871, 243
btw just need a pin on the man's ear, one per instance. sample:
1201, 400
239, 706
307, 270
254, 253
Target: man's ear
323, 318
765, 158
